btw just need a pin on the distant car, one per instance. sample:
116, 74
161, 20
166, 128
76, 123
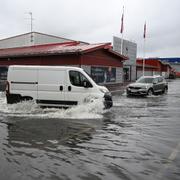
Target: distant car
147, 86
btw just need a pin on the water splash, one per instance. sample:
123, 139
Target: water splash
90, 110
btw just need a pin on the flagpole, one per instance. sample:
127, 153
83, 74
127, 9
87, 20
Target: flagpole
122, 44
122, 30
144, 48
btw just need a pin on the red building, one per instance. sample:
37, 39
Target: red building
153, 67
98, 60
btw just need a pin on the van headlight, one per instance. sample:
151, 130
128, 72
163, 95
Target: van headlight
103, 90
108, 93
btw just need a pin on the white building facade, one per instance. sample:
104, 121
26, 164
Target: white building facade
129, 49
31, 39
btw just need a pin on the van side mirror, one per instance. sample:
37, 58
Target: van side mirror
87, 84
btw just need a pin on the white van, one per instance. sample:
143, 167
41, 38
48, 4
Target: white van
55, 86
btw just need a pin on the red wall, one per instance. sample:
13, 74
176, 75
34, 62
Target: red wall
154, 63
46, 60
61, 60
99, 57
21, 61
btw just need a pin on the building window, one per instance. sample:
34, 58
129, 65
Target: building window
3, 73
103, 74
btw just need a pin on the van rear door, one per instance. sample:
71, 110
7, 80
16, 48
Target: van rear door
23, 81
51, 85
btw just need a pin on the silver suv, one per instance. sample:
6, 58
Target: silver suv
148, 85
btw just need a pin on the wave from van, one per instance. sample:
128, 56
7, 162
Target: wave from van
88, 110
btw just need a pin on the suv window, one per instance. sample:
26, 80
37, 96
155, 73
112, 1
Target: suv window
77, 78
155, 80
160, 79
145, 80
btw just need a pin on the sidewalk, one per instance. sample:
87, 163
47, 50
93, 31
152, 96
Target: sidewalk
117, 88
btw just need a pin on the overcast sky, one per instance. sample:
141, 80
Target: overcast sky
98, 21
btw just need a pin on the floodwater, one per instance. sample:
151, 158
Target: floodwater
137, 139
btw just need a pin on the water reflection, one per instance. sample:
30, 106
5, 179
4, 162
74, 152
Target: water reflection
47, 133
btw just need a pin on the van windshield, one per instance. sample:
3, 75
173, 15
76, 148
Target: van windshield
145, 80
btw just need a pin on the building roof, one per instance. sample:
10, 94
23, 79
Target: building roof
39, 33
56, 49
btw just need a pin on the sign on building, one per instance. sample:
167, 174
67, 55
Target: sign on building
129, 49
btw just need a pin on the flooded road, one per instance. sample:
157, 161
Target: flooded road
139, 138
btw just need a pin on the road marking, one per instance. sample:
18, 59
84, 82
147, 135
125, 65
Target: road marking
171, 158
174, 153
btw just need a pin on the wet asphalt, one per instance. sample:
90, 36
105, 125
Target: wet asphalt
137, 139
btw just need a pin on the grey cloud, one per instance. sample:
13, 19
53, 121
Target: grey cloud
98, 21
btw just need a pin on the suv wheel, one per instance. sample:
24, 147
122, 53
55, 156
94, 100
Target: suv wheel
165, 90
150, 92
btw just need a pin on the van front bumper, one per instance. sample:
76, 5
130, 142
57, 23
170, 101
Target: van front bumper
108, 103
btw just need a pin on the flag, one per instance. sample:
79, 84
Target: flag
144, 35
122, 22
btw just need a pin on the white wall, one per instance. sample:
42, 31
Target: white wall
119, 75
146, 73
17, 41
47, 39
133, 73
29, 39
129, 49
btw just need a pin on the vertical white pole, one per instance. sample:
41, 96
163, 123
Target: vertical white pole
144, 49
122, 30
122, 44
144, 55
